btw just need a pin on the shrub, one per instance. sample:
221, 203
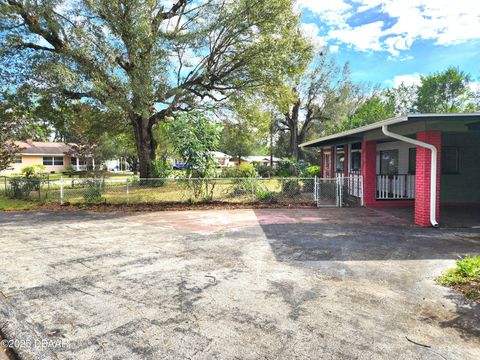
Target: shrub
21, 187
93, 189
31, 170
264, 171
68, 171
313, 170
291, 187
244, 186
240, 171
161, 170
467, 269
266, 195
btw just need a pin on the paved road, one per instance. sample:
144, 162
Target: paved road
249, 284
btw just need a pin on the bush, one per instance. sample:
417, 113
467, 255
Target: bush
161, 170
467, 269
68, 171
240, 171
291, 187
93, 190
264, 171
21, 187
244, 186
313, 170
266, 195
31, 170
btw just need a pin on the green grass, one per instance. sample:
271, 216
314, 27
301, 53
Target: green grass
15, 204
464, 277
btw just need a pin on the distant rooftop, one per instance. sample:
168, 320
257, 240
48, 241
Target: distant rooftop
43, 148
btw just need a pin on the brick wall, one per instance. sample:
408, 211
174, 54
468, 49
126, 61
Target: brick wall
369, 165
422, 181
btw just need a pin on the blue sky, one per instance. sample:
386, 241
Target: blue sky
393, 41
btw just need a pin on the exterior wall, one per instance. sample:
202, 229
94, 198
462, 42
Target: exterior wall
29, 160
422, 181
403, 149
462, 188
369, 158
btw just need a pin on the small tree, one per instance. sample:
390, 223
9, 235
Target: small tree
8, 149
195, 138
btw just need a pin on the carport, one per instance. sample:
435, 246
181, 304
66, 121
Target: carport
394, 157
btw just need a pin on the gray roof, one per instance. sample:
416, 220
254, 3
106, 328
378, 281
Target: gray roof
392, 121
43, 148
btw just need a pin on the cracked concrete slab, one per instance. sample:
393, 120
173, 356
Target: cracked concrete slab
221, 284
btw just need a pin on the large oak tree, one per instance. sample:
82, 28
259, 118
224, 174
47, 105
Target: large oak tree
147, 60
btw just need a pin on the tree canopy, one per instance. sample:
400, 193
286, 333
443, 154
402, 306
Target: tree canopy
147, 60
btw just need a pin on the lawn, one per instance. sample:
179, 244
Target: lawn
465, 277
15, 204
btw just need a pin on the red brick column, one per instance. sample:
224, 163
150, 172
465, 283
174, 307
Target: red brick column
369, 172
345, 162
422, 177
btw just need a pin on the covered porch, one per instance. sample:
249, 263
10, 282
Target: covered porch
396, 171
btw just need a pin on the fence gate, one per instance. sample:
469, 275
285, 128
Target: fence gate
340, 191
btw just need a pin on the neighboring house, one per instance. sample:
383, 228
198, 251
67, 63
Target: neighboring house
392, 158
55, 156
263, 160
222, 158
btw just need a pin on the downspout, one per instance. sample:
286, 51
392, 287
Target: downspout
433, 169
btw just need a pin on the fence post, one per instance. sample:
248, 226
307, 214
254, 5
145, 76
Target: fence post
126, 192
206, 187
61, 190
253, 188
315, 194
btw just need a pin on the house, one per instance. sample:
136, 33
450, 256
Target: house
263, 160
420, 160
55, 156
222, 158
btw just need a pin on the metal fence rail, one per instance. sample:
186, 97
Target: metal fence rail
179, 190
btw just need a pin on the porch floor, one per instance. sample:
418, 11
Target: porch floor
450, 216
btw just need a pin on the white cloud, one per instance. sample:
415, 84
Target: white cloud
334, 48
445, 22
312, 31
407, 79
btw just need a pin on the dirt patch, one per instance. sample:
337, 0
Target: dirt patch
471, 290
171, 206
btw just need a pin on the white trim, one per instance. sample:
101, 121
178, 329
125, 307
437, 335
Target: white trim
433, 170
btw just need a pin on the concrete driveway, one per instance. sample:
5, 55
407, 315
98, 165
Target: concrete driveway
223, 284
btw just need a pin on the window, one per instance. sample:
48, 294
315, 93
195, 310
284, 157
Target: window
389, 162
356, 161
450, 160
340, 162
18, 160
53, 160
412, 160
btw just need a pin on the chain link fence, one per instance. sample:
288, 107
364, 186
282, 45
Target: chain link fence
334, 192
167, 190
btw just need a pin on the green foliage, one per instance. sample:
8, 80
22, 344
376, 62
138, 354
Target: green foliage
195, 137
466, 270
135, 62
245, 186
21, 187
291, 167
8, 149
291, 187
264, 171
374, 109
160, 171
31, 170
266, 195
69, 171
244, 170
444, 92
313, 170
92, 191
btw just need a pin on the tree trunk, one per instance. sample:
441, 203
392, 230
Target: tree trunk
146, 145
293, 142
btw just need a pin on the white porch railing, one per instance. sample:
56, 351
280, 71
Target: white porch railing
79, 167
400, 186
353, 183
